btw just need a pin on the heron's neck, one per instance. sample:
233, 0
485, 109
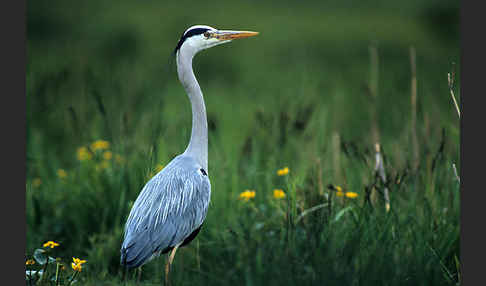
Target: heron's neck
198, 145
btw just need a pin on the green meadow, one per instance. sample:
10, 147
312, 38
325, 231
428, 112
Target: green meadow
315, 91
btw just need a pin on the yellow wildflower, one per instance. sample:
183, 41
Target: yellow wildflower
50, 244
83, 154
76, 267
339, 189
100, 145
36, 182
107, 155
351, 195
78, 261
247, 194
77, 264
30, 262
159, 168
339, 193
283, 172
278, 194
62, 173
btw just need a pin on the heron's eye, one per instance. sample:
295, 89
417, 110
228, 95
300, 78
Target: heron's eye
207, 34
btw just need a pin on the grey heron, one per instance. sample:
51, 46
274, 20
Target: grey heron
171, 208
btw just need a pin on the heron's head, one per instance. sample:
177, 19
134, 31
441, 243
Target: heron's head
201, 37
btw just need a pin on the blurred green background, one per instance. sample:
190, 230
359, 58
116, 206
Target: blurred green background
314, 91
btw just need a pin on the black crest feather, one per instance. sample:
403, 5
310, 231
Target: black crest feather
188, 34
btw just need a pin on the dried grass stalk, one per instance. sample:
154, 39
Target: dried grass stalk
380, 170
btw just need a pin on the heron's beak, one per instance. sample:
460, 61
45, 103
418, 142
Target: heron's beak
227, 35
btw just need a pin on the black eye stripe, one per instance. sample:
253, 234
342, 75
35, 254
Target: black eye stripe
196, 31
203, 172
188, 34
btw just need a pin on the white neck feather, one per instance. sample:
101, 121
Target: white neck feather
198, 144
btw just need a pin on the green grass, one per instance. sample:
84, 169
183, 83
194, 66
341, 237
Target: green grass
102, 71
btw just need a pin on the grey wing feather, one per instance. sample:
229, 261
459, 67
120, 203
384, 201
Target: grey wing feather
169, 208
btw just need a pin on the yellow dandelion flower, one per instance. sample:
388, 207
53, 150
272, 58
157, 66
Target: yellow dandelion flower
50, 244
77, 264
339, 193
159, 168
61, 173
36, 182
30, 262
283, 172
83, 154
78, 261
278, 194
76, 267
247, 194
100, 145
107, 155
351, 195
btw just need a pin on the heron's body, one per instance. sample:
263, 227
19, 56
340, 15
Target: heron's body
172, 206
180, 195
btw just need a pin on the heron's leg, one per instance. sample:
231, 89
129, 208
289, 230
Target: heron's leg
169, 263
123, 275
139, 275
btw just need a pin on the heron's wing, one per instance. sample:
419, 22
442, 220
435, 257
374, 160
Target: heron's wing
169, 208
